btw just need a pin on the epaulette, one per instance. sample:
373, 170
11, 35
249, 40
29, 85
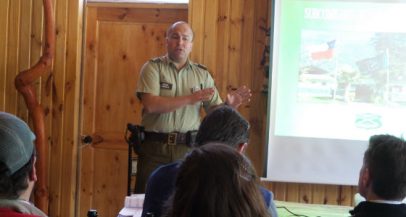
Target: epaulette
201, 66
155, 60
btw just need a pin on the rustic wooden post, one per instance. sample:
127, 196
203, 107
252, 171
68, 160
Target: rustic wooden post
24, 84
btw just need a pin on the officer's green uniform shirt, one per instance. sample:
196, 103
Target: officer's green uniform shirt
160, 77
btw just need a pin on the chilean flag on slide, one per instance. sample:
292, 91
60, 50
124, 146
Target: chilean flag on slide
324, 51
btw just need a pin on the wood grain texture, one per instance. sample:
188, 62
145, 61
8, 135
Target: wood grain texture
24, 55
57, 106
24, 83
111, 73
223, 36
12, 56
22, 42
4, 17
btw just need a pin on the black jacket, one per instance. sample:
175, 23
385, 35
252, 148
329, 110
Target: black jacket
372, 209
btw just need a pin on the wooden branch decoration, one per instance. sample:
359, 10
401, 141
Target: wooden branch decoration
24, 84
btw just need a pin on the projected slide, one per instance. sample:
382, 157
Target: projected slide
338, 76
345, 71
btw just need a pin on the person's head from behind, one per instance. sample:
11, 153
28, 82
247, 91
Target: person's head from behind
17, 157
383, 173
216, 180
179, 41
224, 124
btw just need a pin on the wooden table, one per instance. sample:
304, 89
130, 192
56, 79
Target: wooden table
311, 210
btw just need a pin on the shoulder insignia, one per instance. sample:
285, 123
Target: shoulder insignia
155, 60
201, 66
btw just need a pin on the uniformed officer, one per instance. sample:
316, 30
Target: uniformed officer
172, 90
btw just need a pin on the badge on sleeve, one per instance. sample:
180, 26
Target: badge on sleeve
166, 86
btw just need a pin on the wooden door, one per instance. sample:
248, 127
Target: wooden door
119, 40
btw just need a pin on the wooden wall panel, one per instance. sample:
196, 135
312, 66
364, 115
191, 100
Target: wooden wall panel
226, 40
319, 194
197, 7
12, 56
223, 37
57, 105
24, 42
4, 14
230, 37
209, 25
21, 41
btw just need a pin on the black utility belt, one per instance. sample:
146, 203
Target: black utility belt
187, 138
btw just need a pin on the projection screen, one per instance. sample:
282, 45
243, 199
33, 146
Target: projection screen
337, 76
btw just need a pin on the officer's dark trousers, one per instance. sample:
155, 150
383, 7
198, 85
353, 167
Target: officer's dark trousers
153, 154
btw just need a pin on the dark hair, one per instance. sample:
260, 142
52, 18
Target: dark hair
216, 180
225, 125
11, 185
386, 162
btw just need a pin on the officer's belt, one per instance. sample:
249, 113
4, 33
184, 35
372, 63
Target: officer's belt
169, 138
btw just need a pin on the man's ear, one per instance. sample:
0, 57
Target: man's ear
365, 177
33, 172
241, 147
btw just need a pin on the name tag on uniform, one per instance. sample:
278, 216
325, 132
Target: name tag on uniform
195, 89
166, 86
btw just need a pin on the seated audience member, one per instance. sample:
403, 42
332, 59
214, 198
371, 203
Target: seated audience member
223, 124
216, 180
17, 171
382, 178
